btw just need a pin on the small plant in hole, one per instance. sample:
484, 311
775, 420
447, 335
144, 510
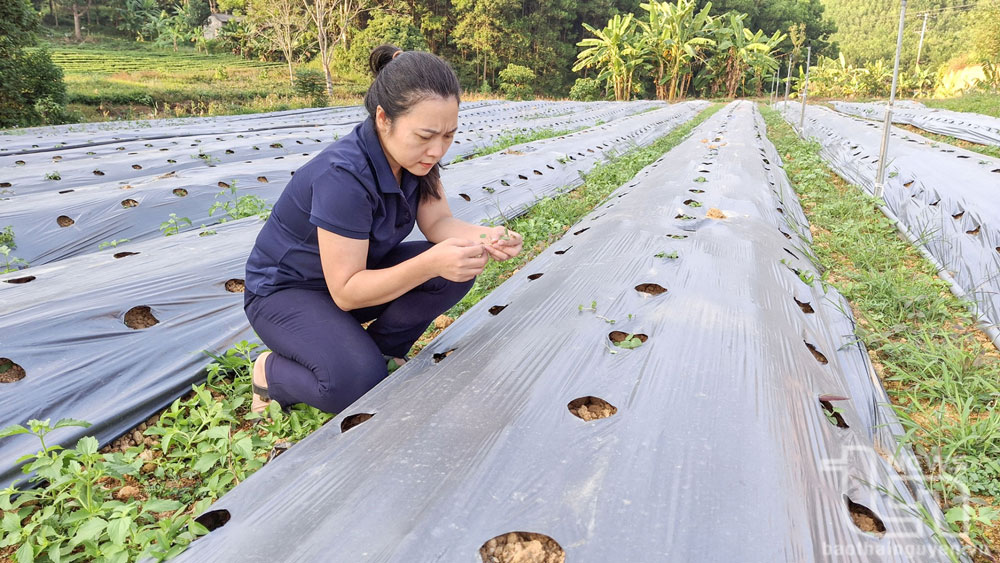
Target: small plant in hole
662, 254
628, 341
173, 225
9, 263
209, 159
111, 243
238, 207
701, 179
53, 176
593, 309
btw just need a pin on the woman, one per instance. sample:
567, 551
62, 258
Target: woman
331, 256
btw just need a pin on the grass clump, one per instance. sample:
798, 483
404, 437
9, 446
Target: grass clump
939, 370
986, 104
508, 140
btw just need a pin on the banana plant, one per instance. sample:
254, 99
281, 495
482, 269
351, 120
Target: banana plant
616, 51
676, 34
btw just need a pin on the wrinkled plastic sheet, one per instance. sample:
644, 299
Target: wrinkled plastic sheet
138, 189
718, 432
946, 196
64, 323
972, 127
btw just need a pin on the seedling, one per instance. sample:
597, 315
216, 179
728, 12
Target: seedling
893, 174
238, 207
701, 179
111, 243
53, 176
173, 225
671, 255
211, 160
563, 159
630, 342
9, 263
593, 308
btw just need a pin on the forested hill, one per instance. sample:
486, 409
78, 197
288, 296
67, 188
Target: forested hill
866, 29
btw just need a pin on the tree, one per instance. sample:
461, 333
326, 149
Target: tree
616, 51
985, 31
31, 86
516, 81
675, 33
384, 27
738, 51
282, 23
483, 27
779, 15
332, 19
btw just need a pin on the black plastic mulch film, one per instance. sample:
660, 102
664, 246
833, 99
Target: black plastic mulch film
972, 127
64, 323
125, 190
946, 196
748, 415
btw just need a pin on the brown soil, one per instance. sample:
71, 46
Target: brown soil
180, 192
133, 438
124, 254
865, 519
522, 547
223, 185
591, 408
127, 493
25, 279
262, 179
443, 322
129, 203
140, 317
714, 213
619, 336
354, 420
64, 221
10, 372
235, 285
651, 288
817, 354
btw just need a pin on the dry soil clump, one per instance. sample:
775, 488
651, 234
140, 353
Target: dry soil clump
522, 547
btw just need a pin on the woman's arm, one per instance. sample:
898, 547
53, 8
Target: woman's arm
437, 223
352, 286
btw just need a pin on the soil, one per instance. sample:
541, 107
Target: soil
591, 408
127, 493
180, 192
817, 354
235, 285
129, 203
140, 317
354, 420
64, 221
522, 547
651, 288
619, 336
25, 279
12, 373
865, 519
443, 322
714, 213
135, 437
262, 179
124, 254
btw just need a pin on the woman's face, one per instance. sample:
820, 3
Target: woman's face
417, 140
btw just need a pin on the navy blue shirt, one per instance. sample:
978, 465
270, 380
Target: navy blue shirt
347, 189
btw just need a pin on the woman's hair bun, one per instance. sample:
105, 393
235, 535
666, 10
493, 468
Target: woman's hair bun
380, 57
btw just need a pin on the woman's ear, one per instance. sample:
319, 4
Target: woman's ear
382, 120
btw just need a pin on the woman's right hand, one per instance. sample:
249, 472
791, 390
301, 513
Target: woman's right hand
459, 260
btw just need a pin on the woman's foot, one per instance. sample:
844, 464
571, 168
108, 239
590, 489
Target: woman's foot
260, 396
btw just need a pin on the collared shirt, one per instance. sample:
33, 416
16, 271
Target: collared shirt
347, 189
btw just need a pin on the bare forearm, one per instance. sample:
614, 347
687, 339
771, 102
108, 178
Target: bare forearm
368, 288
450, 227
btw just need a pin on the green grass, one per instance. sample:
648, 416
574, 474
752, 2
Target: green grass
508, 140
986, 104
940, 372
988, 150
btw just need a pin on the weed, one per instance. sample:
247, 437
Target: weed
173, 225
111, 243
508, 140
630, 342
670, 255
701, 179
53, 175
238, 207
9, 263
209, 159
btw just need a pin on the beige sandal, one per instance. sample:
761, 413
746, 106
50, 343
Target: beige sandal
261, 399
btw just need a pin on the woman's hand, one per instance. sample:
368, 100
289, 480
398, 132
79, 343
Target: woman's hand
503, 244
459, 260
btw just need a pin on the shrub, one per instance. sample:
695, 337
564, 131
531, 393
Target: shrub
585, 90
311, 83
383, 27
26, 77
515, 82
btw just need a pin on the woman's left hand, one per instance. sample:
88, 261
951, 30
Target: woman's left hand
502, 243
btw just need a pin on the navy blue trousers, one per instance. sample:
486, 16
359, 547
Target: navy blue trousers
320, 354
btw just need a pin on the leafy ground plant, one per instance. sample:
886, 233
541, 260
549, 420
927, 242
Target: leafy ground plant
173, 225
236, 206
939, 371
130, 503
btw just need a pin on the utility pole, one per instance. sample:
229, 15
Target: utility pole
805, 92
920, 46
788, 79
880, 174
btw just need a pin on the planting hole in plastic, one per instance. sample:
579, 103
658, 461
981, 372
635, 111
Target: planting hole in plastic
262, 179
563, 251
534, 277
214, 519
66, 191
234, 285
591, 408
495, 310
864, 518
617, 336
9, 371
537, 172
958, 215
180, 192
98, 173
806, 307
64, 221
522, 176
465, 197
833, 413
817, 354
140, 317
5, 184
692, 202
522, 547
908, 184
136, 167
354, 420
581, 230
25, 279
696, 191
973, 231
223, 185
442, 355
129, 203
124, 254
651, 288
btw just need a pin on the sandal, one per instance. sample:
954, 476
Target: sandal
391, 364
261, 398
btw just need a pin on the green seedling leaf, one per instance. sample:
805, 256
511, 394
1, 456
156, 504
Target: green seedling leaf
701, 179
161, 505
630, 342
91, 529
14, 431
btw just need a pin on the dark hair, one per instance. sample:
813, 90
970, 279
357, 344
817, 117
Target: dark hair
403, 79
